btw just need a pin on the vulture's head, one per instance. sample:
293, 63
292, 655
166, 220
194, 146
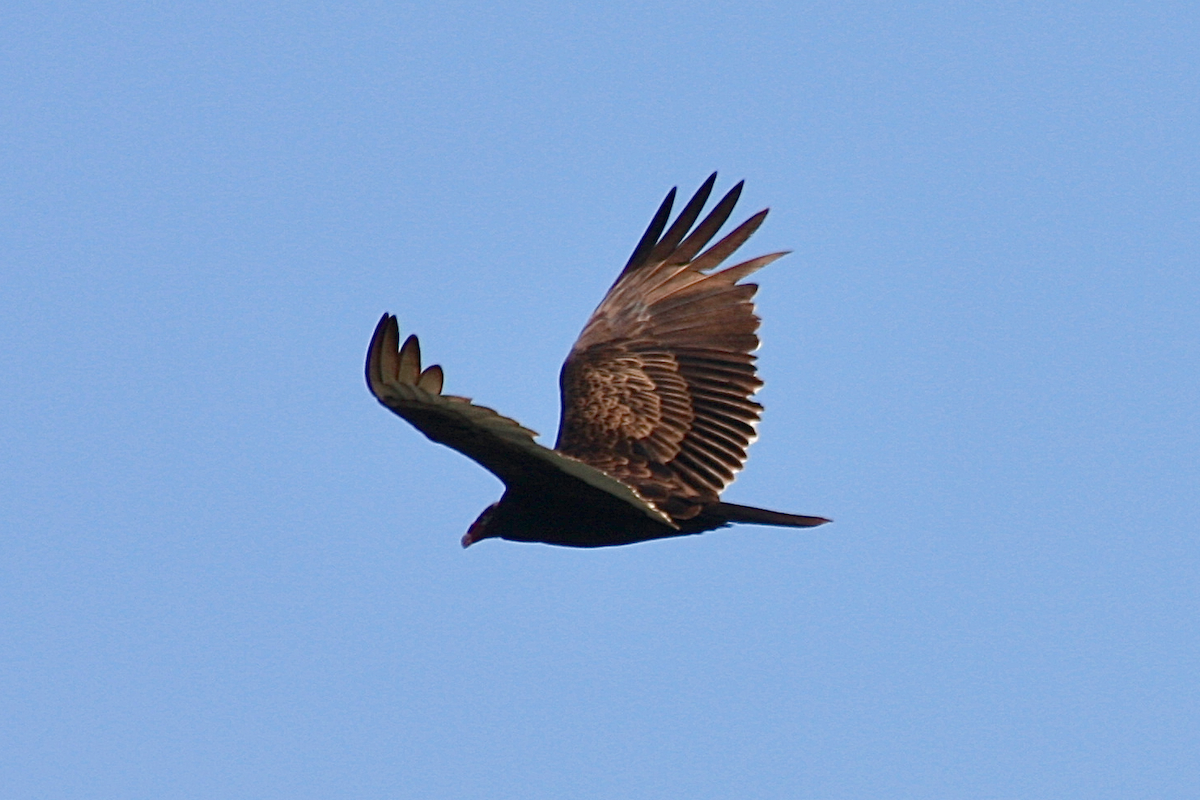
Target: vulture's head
485, 526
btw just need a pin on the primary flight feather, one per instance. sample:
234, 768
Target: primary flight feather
656, 408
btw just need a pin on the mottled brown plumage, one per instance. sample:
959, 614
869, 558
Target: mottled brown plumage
656, 408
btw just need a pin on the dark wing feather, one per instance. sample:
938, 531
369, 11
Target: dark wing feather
657, 389
500, 444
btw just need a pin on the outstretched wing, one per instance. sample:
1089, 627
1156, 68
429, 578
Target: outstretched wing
657, 389
498, 443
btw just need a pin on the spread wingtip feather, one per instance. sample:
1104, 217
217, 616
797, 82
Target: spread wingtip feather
387, 363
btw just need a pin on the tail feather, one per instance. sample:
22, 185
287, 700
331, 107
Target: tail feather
732, 512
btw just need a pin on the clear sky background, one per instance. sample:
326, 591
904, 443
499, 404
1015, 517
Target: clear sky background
226, 572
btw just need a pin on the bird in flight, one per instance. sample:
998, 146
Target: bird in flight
656, 408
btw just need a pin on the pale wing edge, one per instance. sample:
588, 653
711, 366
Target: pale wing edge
500, 444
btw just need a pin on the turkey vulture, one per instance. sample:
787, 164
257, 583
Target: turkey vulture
656, 408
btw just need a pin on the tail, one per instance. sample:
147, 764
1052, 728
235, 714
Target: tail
730, 512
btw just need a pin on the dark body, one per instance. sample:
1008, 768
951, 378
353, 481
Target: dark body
559, 521
656, 408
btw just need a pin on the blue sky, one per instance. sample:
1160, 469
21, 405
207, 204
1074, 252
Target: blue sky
225, 571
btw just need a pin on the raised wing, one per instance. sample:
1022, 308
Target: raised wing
498, 443
657, 389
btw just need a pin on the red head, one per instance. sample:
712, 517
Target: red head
479, 528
